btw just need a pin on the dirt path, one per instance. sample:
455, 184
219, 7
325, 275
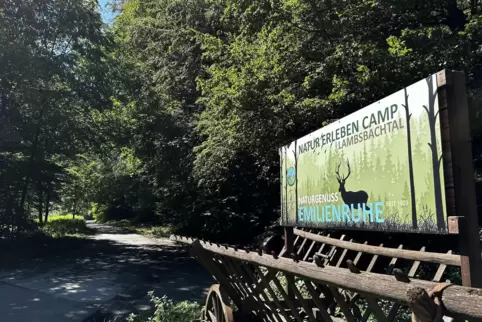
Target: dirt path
109, 273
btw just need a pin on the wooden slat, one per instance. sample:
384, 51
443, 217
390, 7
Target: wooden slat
319, 304
263, 297
308, 252
272, 293
288, 300
323, 245
358, 255
375, 308
234, 277
342, 256
345, 308
257, 287
393, 262
373, 261
229, 276
392, 314
242, 279
308, 310
440, 271
300, 249
207, 262
447, 259
371, 308
333, 251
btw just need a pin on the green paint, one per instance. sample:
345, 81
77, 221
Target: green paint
354, 173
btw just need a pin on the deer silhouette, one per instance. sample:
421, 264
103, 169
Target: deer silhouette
351, 198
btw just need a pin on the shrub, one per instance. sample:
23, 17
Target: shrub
60, 226
98, 211
168, 311
103, 213
65, 217
162, 231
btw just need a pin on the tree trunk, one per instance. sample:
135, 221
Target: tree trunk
32, 158
432, 118
74, 208
40, 206
410, 164
47, 204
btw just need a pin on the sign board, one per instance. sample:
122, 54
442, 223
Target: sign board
379, 168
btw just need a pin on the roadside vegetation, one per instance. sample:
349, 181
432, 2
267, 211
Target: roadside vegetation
147, 229
168, 311
65, 225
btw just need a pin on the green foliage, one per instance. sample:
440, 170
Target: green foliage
168, 311
143, 228
215, 87
51, 53
61, 226
98, 211
161, 232
65, 217
174, 114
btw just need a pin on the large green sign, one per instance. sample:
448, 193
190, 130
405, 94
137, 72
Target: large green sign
379, 168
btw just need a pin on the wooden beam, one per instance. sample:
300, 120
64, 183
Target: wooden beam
447, 259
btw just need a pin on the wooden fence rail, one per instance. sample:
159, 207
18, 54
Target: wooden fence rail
447, 259
273, 288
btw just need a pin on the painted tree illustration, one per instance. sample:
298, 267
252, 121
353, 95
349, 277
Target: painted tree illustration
295, 154
413, 202
436, 160
283, 183
285, 169
388, 167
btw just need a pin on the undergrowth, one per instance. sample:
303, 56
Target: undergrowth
64, 225
144, 229
167, 310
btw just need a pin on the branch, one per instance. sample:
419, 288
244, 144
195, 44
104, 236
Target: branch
430, 145
436, 114
286, 17
440, 160
409, 116
426, 109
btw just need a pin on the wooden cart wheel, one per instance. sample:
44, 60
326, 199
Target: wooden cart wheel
216, 308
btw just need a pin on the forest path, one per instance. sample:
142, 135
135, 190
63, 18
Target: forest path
105, 275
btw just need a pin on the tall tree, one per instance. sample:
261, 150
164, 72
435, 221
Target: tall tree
48, 59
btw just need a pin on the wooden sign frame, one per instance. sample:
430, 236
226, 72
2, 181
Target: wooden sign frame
461, 203
460, 197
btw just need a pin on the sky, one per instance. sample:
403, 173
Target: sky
107, 15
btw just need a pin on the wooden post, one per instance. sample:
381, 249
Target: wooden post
289, 249
289, 240
459, 173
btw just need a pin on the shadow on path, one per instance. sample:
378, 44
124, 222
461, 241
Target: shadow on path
111, 272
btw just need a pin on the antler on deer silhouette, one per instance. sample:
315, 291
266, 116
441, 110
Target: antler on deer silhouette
337, 171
